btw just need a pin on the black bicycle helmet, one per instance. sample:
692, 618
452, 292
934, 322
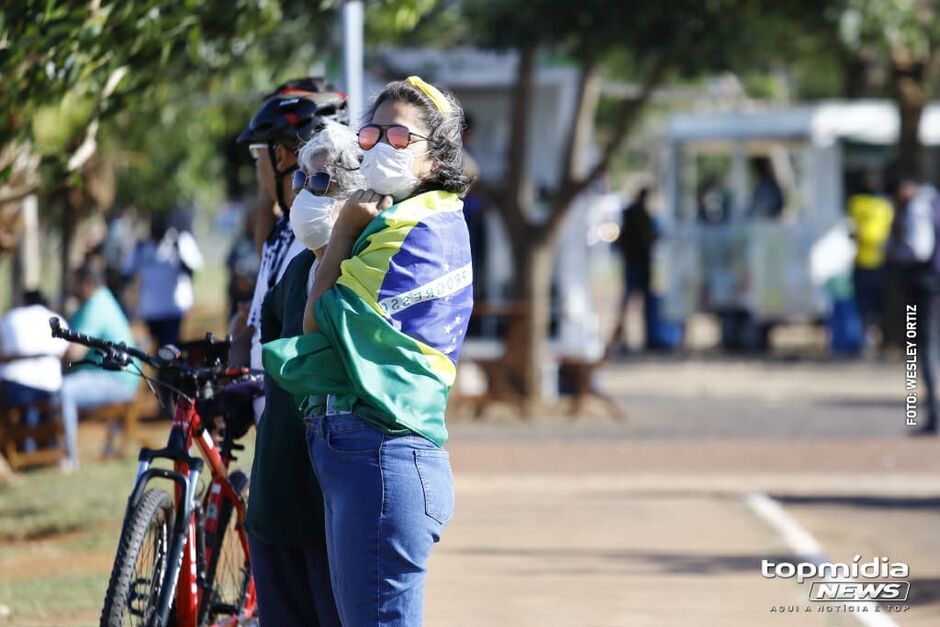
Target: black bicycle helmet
294, 110
291, 114
314, 84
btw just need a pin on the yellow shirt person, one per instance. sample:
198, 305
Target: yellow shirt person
872, 216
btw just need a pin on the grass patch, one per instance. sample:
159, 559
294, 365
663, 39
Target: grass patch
46, 503
58, 533
57, 600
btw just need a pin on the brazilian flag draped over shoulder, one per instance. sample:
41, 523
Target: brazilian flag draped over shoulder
392, 327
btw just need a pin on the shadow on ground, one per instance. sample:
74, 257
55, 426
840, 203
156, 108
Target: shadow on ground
555, 561
864, 403
924, 591
876, 502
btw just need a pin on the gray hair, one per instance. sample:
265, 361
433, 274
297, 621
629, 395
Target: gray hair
445, 132
340, 149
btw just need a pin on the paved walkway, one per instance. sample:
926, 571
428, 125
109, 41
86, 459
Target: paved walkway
602, 550
552, 554
644, 523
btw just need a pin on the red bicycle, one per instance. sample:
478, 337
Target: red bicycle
183, 559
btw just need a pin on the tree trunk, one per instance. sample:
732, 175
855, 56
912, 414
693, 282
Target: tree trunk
17, 288
533, 243
26, 260
519, 183
68, 235
533, 260
907, 79
855, 76
6, 473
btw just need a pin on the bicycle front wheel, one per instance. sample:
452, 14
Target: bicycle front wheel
141, 562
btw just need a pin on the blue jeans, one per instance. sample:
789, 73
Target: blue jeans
869, 287
386, 500
86, 389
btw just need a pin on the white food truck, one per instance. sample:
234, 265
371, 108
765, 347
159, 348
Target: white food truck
754, 224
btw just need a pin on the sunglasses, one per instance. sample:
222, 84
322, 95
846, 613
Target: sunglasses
398, 136
317, 183
257, 150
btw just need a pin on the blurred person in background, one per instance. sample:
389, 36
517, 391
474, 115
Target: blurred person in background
474, 212
31, 363
913, 251
118, 243
287, 117
767, 197
635, 241
871, 216
163, 266
87, 386
285, 518
714, 201
242, 265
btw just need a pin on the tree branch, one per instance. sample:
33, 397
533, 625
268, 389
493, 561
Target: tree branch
517, 169
932, 73
627, 116
87, 149
584, 112
89, 146
10, 194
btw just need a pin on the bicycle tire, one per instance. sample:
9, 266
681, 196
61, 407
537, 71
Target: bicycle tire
153, 512
228, 574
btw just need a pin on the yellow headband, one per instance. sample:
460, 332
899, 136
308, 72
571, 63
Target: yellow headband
432, 92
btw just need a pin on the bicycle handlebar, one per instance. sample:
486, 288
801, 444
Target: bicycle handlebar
104, 345
121, 354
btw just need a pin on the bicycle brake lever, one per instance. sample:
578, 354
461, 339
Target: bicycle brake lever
108, 362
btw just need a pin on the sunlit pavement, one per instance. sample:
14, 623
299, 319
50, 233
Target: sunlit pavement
645, 523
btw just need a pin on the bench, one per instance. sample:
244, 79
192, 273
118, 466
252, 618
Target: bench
120, 418
577, 377
48, 436
498, 360
501, 363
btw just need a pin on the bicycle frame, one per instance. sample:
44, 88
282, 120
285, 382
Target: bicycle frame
184, 580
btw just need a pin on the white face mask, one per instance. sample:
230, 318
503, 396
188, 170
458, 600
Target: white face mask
388, 170
311, 219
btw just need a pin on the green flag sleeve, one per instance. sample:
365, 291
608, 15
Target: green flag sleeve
305, 365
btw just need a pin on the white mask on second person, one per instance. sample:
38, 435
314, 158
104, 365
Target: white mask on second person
388, 171
311, 219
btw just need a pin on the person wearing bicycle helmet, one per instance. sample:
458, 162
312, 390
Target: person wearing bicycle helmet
285, 507
287, 118
385, 323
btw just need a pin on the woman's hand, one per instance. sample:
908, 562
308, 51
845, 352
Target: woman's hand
360, 209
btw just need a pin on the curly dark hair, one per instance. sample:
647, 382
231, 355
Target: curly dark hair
445, 136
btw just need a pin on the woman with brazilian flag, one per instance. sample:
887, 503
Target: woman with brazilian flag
384, 324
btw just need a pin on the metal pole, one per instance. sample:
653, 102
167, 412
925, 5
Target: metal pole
352, 58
